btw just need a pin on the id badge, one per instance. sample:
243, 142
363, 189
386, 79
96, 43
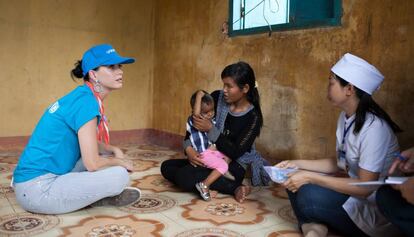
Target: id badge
341, 159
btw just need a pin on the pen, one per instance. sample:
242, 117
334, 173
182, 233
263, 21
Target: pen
399, 156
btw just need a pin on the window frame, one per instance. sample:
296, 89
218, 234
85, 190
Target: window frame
292, 24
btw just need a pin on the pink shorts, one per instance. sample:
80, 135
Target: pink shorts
215, 160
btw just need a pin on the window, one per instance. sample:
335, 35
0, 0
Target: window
258, 16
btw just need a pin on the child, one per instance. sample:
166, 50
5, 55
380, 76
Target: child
203, 106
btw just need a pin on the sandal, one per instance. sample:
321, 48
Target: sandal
204, 191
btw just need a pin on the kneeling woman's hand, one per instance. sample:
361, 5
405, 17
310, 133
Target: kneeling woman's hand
297, 179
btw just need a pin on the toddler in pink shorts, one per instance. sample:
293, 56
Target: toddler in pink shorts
203, 105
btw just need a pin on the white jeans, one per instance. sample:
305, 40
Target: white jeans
57, 194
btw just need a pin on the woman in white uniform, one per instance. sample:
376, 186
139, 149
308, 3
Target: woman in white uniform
366, 146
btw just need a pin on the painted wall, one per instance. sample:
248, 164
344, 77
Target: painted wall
179, 48
291, 67
41, 40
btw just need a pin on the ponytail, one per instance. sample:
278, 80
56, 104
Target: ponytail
367, 104
77, 72
254, 98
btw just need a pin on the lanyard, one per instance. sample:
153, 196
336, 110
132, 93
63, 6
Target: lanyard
103, 129
346, 129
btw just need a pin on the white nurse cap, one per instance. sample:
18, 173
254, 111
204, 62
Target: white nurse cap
358, 72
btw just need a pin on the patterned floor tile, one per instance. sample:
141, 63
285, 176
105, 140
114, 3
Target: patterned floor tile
143, 165
278, 191
152, 154
221, 211
7, 177
6, 209
9, 157
287, 214
209, 231
6, 167
105, 211
173, 154
150, 203
292, 233
284, 226
163, 210
155, 183
7, 196
6, 171
269, 231
26, 224
171, 228
128, 225
73, 217
286, 233
17, 208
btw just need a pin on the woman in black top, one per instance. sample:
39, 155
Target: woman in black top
239, 120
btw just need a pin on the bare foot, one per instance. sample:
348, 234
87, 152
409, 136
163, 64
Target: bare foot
314, 230
213, 193
241, 193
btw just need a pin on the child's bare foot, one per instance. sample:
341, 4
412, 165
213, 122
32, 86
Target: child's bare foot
241, 193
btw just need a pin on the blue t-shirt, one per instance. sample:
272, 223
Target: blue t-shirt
54, 144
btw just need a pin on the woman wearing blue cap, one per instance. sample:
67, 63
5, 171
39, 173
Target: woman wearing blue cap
366, 146
62, 168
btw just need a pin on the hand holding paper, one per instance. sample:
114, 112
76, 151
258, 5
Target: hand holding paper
279, 175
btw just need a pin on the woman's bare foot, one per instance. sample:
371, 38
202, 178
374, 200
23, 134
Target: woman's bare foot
314, 230
241, 193
213, 193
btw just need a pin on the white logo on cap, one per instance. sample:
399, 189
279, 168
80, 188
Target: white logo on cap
54, 107
110, 51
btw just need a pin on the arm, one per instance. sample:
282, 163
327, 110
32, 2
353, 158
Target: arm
297, 179
89, 150
193, 156
110, 149
246, 133
322, 165
205, 125
373, 150
197, 103
407, 165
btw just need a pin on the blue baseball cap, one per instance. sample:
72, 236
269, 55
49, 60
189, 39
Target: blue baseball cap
102, 55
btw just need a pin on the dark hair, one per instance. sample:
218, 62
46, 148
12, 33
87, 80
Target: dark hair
77, 72
206, 99
367, 104
243, 74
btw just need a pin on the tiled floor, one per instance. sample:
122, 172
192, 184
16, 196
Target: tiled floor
162, 211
